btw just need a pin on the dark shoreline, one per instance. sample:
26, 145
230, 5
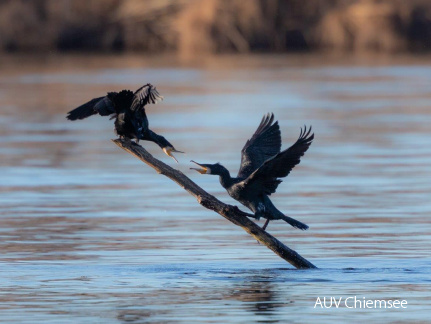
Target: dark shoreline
193, 28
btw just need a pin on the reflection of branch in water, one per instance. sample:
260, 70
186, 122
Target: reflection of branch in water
231, 213
155, 306
138, 315
257, 296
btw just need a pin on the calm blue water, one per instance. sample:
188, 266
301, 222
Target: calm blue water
90, 234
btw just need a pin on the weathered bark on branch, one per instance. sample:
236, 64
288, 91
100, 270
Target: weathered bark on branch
231, 213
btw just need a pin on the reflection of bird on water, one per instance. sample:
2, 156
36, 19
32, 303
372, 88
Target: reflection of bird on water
262, 164
128, 109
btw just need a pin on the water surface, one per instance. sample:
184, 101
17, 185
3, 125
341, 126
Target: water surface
91, 234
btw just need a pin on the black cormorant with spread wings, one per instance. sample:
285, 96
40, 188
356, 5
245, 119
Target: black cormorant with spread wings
262, 164
128, 109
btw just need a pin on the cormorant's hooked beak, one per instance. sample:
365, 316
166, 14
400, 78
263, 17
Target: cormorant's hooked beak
168, 151
202, 170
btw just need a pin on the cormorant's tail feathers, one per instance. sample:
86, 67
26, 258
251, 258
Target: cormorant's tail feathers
294, 223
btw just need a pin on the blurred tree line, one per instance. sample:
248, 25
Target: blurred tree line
215, 26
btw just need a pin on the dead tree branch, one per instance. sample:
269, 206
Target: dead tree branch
231, 213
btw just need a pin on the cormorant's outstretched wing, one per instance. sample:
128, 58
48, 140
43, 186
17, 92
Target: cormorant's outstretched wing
264, 144
102, 106
145, 95
279, 166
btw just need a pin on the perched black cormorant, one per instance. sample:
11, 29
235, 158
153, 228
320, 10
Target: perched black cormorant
262, 164
128, 109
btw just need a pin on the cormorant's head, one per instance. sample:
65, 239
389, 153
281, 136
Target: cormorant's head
216, 169
167, 147
168, 151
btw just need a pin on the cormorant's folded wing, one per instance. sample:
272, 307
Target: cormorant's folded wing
102, 106
145, 95
264, 144
280, 165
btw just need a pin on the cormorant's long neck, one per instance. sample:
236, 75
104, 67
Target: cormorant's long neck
158, 139
225, 179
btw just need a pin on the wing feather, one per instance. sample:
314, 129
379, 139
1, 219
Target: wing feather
280, 165
264, 144
84, 111
145, 95
105, 107
102, 106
